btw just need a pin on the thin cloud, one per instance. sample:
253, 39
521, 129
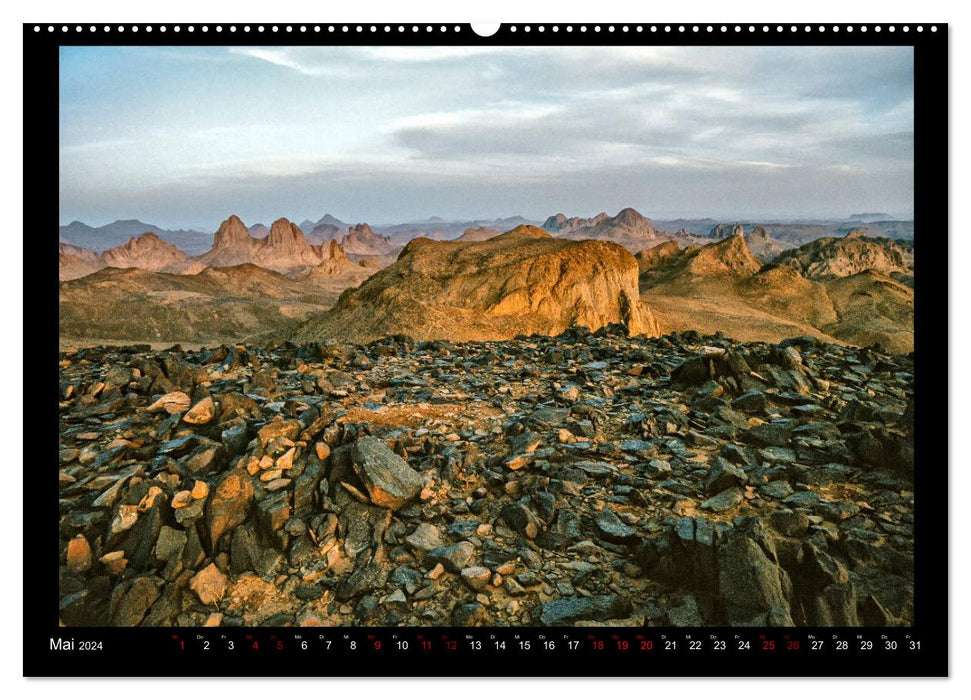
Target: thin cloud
395, 132
286, 58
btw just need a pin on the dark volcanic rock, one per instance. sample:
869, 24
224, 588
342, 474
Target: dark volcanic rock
453, 557
567, 611
612, 529
365, 579
389, 481
756, 591
580, 479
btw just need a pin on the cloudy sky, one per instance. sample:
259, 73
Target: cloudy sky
182, 137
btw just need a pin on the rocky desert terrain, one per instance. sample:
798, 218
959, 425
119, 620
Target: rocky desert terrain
856, 290
514, 428
587, 478
753, 283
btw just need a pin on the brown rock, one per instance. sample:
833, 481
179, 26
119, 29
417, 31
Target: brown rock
323, 450
174, 402
148, 252
114, 562
79, 554
201, 413
181, 499
131, 600
209, 584
229, 504
279, 427
524, 281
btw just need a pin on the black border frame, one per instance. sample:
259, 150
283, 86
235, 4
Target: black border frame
150, 651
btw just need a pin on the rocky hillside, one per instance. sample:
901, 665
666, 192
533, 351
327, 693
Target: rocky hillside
232, 245
327, 220
629, 228
729, 257
763, 246
284, 249
587, 479
74, 262
524, 281
439, 229
478, 234
562, 225
325, 233
361, 240
287, 249
215, 305
856, 252
338, 272
148, 252
655, 257
723, 287
721, 231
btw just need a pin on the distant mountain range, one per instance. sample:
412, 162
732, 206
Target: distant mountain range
837, 281
438, 229
629, 227
283, 249
101, 238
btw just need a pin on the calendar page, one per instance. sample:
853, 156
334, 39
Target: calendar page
533, 349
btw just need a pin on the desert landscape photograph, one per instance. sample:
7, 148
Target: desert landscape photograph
443, 336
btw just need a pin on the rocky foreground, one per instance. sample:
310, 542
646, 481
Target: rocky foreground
584, 479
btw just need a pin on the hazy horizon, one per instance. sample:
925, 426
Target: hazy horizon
181, 137
267, 221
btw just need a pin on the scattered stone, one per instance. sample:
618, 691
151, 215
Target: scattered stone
131, 600
79, 554
209, 584
470, 615
170, 543
229, 505
790, 523
468, 483
751, 402
724, 475
758, 591
612, 529
201, 413
365, 579
687, 614
476, 577
726, 500
389, 481
124, 519
175, 402
521, 519
425, 538
776, 489
567, 611
453, 557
